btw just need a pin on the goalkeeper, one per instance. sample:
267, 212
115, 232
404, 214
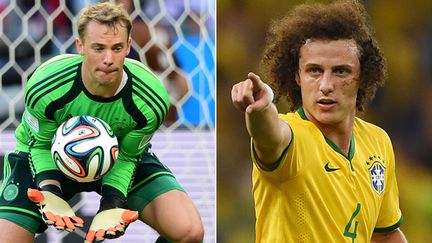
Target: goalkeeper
99, 82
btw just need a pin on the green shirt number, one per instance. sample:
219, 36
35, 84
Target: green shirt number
347, 232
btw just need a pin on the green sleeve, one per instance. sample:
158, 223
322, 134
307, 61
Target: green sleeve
37, 130
40, 132
120, 176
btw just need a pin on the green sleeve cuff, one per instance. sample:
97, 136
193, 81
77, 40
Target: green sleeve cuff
120, 176
42, 161
390, 228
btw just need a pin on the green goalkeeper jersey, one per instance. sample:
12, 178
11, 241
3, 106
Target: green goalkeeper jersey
55, 93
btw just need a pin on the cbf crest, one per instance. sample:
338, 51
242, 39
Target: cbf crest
377, 172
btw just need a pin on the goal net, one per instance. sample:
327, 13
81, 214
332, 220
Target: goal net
176, 39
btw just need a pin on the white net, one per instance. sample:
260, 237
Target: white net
175, 38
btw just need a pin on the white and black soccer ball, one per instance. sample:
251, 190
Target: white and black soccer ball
84, 148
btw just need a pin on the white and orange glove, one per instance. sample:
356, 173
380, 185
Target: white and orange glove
109, 224
55, 210
111, 220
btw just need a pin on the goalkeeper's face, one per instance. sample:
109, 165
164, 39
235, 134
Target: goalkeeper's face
104, 49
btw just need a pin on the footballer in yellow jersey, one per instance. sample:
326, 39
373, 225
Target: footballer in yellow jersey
320, 174
318, 194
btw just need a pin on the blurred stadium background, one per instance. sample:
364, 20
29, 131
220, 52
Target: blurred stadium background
403, 107
176, 39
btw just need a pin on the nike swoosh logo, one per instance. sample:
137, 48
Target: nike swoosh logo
330, 169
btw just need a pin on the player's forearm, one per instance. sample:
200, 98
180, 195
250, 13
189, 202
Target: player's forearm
120, 176
263, 126
43, 166
269, 133
395, 236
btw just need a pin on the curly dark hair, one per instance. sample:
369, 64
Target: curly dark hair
345, 19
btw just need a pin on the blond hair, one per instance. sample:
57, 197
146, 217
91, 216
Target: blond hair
105, 13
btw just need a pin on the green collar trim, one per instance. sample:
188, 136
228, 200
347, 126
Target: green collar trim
351, 150
302, 114
337, 149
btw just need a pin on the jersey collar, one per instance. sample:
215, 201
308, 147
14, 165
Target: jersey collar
351, 150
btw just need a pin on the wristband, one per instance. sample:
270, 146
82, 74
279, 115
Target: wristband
269, 92
111, 202
53, 189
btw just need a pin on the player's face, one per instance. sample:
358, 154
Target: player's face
104, 49
328, 77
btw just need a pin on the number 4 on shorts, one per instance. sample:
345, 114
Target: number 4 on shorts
347, 232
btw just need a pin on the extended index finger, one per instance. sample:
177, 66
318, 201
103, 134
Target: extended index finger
254, 76
257, 83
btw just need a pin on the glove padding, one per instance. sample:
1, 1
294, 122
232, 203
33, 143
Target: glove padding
55, 211
110, 223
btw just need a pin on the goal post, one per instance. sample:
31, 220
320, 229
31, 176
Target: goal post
176, 39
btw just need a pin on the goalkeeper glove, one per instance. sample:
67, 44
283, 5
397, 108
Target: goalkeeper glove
55, 210
111, 220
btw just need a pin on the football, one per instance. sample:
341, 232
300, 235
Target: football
84, 148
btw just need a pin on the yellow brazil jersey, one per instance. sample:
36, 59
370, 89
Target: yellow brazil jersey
317, 194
